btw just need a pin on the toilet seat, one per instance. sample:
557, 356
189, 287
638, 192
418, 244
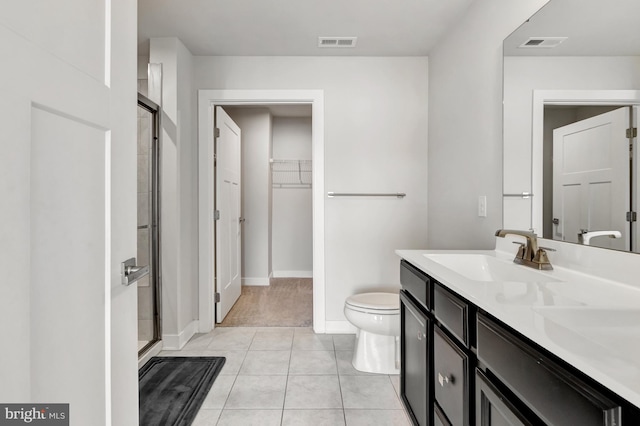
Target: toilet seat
374, 303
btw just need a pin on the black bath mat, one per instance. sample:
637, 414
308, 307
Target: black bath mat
172, 389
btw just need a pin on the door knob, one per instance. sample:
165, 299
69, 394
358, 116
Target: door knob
130, 272
445, 380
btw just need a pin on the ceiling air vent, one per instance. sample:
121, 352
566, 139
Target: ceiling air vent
337, 41
542, 42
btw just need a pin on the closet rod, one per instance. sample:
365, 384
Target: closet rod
366, 194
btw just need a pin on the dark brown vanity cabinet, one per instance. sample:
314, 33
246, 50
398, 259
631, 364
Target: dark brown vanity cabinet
462, 367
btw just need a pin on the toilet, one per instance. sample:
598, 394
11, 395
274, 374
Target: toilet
377, 319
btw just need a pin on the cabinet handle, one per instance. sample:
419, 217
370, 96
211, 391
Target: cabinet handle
445, 380
421, 335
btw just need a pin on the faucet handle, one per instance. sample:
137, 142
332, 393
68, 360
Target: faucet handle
521, 249
541, 260
547, 248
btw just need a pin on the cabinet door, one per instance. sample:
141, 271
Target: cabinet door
439, 419
450, 369
414, 373
492, 408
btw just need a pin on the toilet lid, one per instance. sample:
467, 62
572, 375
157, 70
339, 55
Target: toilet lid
379, 301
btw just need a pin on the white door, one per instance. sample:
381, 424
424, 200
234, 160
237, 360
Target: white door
228, 203
68, 207
591, 178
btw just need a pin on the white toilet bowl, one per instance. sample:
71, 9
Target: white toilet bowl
377, 318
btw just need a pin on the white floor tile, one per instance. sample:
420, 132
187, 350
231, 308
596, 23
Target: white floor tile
312, 342
267, 340
257, 392
309, 375
376, 418
265, 363
206, 417
250, 418
369, 392
217, 396
313, 362
344, 342
313, 418
313, 392
231, 339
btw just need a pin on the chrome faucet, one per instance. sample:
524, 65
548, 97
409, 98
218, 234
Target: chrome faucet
584, 237
530, 254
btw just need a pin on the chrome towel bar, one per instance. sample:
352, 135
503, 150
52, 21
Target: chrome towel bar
366, 194
521, 195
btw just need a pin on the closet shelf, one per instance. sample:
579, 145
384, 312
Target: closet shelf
291, 173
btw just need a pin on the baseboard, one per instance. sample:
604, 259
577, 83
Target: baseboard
339, 327
175, 342
255, 281
292, 274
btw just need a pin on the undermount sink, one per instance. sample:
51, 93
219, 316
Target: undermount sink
590, 317
481, 267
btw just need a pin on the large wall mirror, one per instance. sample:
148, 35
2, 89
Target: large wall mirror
571, 100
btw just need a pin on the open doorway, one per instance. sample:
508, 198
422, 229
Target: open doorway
208, 100
276, 216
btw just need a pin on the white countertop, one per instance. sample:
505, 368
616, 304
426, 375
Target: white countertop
590, 322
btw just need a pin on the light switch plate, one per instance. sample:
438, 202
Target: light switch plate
482, 206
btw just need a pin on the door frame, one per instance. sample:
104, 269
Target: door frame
563, 97
207, 101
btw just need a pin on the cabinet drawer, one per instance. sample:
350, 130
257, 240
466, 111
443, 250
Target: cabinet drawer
416, 282
554, 395
450, 368
452, 312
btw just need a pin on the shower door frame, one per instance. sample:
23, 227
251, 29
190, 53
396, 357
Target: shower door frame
155, 222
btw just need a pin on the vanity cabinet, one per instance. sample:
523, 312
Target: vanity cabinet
461, 366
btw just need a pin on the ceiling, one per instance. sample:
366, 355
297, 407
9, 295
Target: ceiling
292, 27
592, 28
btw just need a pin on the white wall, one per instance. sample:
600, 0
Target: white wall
292, 245
375, 141
465, 131
178, 192
255, 127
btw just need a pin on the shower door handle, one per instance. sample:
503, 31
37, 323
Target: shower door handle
132, 273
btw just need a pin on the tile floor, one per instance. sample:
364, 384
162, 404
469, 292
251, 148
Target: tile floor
291, 376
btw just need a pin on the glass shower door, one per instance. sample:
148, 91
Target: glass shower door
148, 224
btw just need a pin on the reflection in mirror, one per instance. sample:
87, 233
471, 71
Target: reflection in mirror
571, 80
